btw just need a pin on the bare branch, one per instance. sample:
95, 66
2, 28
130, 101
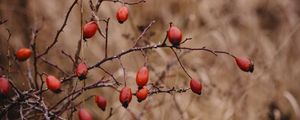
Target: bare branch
59, 31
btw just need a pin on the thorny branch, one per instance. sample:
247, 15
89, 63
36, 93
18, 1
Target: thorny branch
33, 99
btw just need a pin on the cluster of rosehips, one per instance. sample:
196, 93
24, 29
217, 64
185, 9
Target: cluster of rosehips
142, 76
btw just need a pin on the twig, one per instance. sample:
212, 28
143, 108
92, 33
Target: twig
124, 72
69, 56
110, 113
59, 31
127, 3
106, 36
53, 65
143, 33
181, 63
111, 75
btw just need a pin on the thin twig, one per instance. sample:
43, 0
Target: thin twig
106, 37
59, 31
143, 33
181, 63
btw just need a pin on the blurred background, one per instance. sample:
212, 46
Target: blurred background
267, 31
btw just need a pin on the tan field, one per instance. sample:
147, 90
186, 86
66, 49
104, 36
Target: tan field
266, 31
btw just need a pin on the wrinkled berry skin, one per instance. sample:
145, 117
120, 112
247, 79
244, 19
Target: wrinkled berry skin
122, 14
90, 29
125, 96
23, 54
84, 114
142, 94
174, 36
53, 84
244, 64
196, 86
4, 86
81, 71
101, 102
142, 77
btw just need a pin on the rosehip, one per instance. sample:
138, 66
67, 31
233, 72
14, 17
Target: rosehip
101, 102
196, 86
23, 54
84, 114
53, 84
125, 96
81, 71
4, 86
122, 14
90, 29
174, 35
142, 94
245, 64
142, 76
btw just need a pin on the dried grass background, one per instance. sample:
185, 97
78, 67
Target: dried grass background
267, 31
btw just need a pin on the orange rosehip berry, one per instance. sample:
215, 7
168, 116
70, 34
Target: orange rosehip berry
245, 64
53, 83
174, 36
142, 76
196, 86
90, 29
101, 102
125, 96
142, 94
122, 14
23, 54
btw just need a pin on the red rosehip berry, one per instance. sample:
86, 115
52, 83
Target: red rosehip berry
142, 94
196, 86
174, 36
53, 84
23, 54
4, 86
81, 71
245, 64
90, 29
142, 77
122, 14
84, 114
101, 102
125, 96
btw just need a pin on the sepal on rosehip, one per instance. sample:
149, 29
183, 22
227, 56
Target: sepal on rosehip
125, 96
4, 86
23, 54
196, 86
142, 77
84, 114
53, 84
101, 102
122, 14
81, 71
245, 64
142, 94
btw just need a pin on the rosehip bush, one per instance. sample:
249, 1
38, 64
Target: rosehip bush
72, 88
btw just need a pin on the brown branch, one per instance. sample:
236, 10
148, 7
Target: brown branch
106, 36
98, 84
143, 33
181, 64
69, 56
157, 90
53, 65
124, 72
59, 31
127, 3
110, 113
111, 75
